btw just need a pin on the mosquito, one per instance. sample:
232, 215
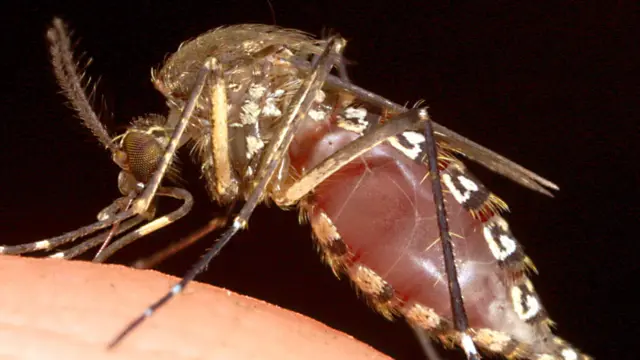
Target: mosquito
270, 115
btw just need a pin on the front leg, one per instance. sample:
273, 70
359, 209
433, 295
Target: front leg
396, 125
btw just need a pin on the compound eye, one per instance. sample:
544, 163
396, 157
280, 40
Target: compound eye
144, 152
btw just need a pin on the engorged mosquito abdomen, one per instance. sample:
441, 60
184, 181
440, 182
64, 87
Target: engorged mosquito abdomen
382, 207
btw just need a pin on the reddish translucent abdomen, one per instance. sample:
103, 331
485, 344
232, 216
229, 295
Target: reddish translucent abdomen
382, 206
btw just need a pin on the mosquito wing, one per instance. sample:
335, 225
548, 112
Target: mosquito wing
458, 143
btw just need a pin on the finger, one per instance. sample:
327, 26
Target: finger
57, 309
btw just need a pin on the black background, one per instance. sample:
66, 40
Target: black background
549, 86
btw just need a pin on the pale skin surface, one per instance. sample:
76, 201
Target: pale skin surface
57, 309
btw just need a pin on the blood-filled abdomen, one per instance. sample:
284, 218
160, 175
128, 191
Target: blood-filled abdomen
381, 206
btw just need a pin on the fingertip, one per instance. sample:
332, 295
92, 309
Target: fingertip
71, 310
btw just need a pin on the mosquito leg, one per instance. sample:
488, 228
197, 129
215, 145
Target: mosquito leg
226, 184
457, 305
340, 66
349, 152
97, 240
299, 105
187, 204
141, 204
54, 242
342, 72
160, 256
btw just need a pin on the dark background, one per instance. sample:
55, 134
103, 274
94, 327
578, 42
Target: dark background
549, 86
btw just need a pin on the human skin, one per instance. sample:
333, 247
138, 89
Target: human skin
57, 309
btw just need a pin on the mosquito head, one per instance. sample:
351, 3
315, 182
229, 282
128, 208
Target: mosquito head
139, 150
